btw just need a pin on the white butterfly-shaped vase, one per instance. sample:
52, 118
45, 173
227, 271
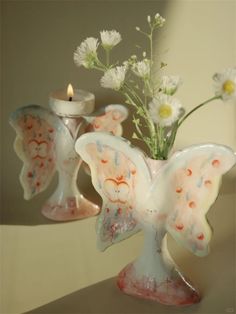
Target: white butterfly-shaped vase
159, 197
45, 143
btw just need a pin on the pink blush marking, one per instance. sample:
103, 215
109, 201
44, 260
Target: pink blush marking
179, 227
119, 211
116, 115
96, 126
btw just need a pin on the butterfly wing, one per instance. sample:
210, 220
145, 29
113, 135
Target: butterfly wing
121, 177
35, 144
185, 189
108, 120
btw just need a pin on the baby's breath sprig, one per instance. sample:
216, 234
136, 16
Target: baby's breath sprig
158, 113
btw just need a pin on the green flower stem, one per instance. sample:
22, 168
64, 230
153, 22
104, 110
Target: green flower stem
142, 32
196, 108
139, 130
151, 45
107, 57
134, 94
98, 68
170, 141
149, 87
136, 101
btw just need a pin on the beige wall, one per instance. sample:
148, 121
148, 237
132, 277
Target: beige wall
42, 261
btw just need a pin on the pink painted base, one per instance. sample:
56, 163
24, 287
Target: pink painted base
174, 291
58, 212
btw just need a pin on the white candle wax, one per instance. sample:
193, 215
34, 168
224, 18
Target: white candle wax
82, 103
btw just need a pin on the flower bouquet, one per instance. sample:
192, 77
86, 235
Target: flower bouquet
158, 193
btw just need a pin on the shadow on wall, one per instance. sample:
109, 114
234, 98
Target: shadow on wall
53, 67
59, 27
29, 212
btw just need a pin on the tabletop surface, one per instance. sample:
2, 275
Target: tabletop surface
105, 297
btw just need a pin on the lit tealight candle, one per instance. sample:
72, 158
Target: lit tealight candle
71, 103
70, 92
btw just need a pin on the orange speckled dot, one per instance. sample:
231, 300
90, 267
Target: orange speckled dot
119, 178
189, 172
200, 236
207, 183
178, 190
104, 161
192, 204
30, 174
215, 163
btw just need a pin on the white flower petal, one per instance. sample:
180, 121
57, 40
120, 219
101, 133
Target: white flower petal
164, 110
110, 38
160, 21
142, 68
169, 84
86, 53
114, 78
225, 84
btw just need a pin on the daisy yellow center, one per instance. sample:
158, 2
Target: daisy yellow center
229, 87
165, 111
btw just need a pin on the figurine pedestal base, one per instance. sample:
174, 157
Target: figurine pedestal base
71, 209
176, 291
154, 275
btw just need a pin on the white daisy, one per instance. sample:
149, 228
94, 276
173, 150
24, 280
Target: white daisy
225, 84
86, 53
142, 68
169, 84
110, 39
114, 78
165, 110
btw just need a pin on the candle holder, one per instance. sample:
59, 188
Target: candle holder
45, 143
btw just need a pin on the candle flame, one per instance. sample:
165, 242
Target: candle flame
70, 91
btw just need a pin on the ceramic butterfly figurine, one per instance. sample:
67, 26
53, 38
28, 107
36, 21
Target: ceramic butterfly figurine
45, 143
159, 197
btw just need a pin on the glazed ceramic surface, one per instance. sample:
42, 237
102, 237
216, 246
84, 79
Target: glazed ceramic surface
45, 144
159, 197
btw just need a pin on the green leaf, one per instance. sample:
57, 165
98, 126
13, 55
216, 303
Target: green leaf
163, 64
134, 135
136, 120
